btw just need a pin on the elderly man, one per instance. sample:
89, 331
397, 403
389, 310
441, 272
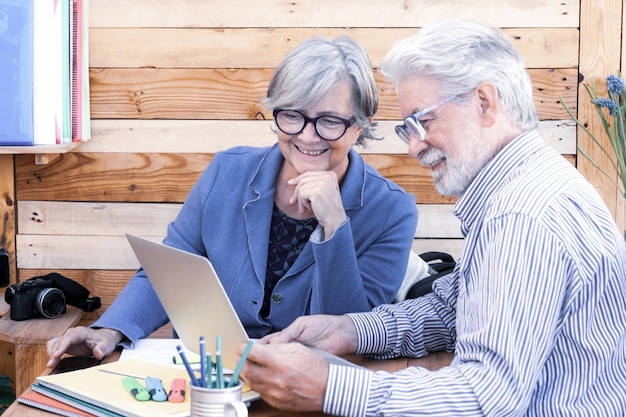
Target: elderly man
535, 310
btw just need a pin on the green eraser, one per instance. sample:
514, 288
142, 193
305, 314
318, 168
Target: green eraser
135, 388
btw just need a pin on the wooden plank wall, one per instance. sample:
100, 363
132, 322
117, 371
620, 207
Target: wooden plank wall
602, 47
174, 82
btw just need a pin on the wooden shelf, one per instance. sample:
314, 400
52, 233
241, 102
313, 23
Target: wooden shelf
41, 152
66, 147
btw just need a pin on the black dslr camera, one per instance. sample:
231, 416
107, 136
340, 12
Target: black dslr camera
47, 296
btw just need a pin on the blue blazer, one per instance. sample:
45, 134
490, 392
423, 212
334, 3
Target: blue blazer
226, 217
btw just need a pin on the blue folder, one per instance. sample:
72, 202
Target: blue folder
16, 73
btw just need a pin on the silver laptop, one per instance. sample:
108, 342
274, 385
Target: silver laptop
193, 297
195, 301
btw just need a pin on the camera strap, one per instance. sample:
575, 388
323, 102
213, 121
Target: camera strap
75, 294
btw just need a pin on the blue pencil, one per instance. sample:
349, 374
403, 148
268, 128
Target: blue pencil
218, 363
211, 382
202, 362
190, 371
242, 360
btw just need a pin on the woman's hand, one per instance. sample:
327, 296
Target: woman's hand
318, 191
82, 341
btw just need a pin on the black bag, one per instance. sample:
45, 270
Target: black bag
442, 263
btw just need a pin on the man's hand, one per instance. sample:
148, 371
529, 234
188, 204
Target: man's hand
334, 334
288, 376
82, 341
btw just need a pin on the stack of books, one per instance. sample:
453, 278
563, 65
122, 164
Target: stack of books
99, 391
44, 72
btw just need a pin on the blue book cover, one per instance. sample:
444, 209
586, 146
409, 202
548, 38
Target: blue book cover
16, 72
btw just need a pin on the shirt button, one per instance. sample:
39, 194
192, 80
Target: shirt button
277, 298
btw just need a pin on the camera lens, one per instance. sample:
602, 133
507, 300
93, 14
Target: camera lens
51, 302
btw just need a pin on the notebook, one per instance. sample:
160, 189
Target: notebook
194, 299
98, 390
43, 402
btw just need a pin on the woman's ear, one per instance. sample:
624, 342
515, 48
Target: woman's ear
357, 134
359, 131
489, 103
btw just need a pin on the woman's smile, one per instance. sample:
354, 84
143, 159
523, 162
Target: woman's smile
310, 152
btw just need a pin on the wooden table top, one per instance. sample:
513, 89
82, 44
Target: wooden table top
259, 408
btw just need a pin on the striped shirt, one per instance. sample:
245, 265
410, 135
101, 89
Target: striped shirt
535, 309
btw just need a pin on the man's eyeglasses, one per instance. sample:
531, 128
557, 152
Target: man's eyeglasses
293, 122
412, 124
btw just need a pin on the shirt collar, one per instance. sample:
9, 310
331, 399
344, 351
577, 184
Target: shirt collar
498, 172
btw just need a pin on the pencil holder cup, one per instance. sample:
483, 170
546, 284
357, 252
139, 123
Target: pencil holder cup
217, 402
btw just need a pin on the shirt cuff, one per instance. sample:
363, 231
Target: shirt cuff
125, 343
347, 390
371, 332
317, 236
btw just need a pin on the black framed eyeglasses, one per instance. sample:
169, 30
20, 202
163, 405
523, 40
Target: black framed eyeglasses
292, 122
412, 124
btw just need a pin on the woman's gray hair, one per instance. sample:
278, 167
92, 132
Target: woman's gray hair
311, 69
460, 54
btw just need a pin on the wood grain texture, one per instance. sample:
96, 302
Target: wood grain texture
210, 136
328, 13
89, 236
7, 360
53, 237
151, 219
265, 47
113, 253
30, 362
110, 177
236, 94
132, 177
26, 340
7, 212
596, 62
91, 218
166, 177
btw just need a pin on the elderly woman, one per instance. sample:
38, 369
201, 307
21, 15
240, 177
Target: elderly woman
301, 227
